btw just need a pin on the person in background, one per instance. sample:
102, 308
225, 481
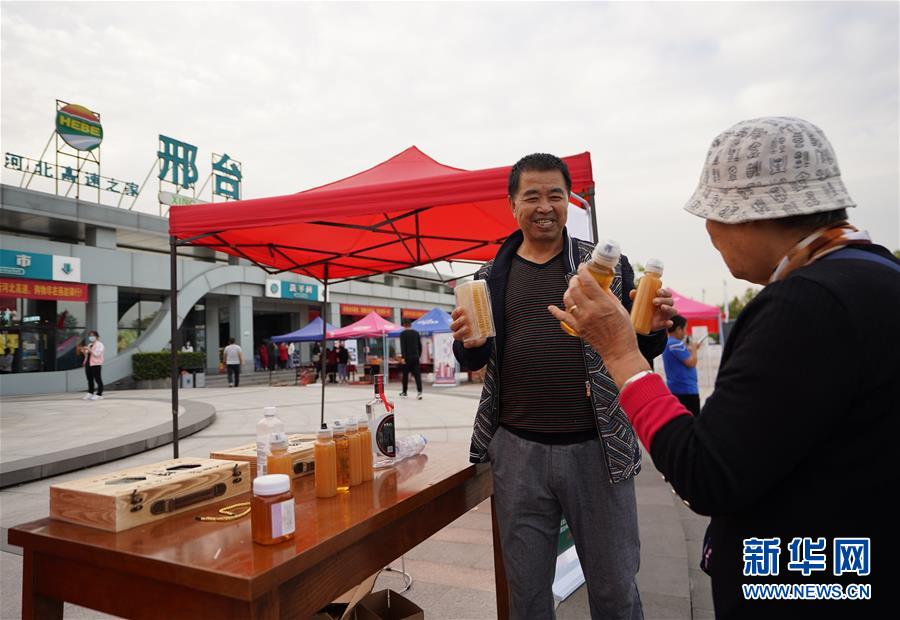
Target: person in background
93, 366
331, 362
263, 356
680, 362
343, 357
273, 356
188, 347
291, 350
282, 356
549, 419
411, 350
794, 453
234, 358
6, 361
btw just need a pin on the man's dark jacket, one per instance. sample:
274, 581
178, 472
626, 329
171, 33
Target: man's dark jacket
623, 454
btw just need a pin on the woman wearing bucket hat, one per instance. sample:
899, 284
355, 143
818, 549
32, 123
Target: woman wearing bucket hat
792, 454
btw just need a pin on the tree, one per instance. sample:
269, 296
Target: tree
738, 303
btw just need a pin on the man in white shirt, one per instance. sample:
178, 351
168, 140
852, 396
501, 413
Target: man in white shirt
234, 357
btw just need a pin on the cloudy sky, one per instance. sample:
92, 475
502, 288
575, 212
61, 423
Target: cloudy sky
307, 93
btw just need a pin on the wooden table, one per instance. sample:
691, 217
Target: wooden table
184, 568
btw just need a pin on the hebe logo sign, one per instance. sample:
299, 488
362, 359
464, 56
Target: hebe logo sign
79, 127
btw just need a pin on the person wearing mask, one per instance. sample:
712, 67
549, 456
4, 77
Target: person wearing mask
680, 362
93, 366
234, 358
793, 452
548, 419
411, 350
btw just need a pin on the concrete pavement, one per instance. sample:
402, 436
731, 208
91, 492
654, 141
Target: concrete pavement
452, 571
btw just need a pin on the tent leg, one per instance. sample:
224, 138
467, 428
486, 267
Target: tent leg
322, 352
173, 308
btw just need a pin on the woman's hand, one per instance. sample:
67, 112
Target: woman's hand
601, 320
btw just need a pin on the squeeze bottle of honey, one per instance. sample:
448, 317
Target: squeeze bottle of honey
326, 464
272, 509
642, 310
602, 268
355, 452
365, 442
342, 450
279, 461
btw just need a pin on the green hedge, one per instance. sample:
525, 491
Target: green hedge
159, 365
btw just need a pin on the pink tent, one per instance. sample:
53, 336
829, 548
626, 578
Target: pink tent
697, 313
370, 326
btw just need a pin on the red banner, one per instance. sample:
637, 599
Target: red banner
409, 313
355, 310
43, 289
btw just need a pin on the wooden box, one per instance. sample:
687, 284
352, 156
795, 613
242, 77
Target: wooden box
139, 495
300, 447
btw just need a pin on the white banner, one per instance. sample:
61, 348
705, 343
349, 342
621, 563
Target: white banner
444, 362
350, 345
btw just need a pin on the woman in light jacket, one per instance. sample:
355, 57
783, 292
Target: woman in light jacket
93, 365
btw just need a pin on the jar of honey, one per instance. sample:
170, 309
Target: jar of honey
602, 268
366, 449
279, 460
272, 509
326, 464
342, 454
356, 466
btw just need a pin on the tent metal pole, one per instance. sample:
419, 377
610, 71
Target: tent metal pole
322, 352
173, 309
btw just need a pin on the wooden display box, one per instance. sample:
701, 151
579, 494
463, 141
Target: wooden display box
300, 447
139, 495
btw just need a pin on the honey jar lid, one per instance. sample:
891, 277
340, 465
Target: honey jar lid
272, 484
279, 441
607, 253
654, 264
363, 422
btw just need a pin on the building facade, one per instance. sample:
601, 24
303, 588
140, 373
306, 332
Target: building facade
71, 266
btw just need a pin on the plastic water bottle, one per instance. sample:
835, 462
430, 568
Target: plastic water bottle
268, 426
409, 446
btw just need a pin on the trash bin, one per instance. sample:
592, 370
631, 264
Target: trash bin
187, 379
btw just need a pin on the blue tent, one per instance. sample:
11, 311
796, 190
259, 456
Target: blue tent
310, 333
435, 320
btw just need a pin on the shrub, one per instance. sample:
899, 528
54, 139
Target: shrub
159, 365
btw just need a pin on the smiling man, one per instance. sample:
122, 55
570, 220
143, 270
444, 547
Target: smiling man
549, 419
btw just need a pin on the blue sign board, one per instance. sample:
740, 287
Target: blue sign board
26, 265
291, 290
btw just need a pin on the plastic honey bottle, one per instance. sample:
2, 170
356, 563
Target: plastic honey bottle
272, 509
326, 464
602, 268
279, 461
368, 457
642, 310
342, 453
355, 451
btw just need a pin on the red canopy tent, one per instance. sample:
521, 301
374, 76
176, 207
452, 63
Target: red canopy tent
409, 210
697, 313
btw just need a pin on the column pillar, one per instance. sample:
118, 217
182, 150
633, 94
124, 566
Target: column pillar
241, 326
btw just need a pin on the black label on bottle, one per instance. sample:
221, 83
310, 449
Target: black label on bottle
384, 436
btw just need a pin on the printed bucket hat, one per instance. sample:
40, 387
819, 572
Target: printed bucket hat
768, 168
